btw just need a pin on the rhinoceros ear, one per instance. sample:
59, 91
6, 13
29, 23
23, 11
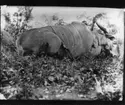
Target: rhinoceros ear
95, 42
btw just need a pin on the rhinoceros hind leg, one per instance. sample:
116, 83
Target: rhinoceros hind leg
54, 42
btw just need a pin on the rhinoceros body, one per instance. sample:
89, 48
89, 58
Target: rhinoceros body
75, 37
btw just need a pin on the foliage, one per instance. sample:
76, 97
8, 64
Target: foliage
15, 24
47, 77
18, 22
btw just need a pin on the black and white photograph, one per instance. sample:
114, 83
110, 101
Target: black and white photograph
85, 61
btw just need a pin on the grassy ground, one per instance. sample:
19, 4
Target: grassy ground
50, 78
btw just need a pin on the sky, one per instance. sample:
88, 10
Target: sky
69, 14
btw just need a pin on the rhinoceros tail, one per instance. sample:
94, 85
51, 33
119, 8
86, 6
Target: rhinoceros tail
19, 47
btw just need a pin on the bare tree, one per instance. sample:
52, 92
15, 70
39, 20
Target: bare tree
107, 28
95, 21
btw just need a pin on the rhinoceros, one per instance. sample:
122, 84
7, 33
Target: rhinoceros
76, 38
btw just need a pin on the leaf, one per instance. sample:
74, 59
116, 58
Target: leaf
98, 86
72, 79
51, 78
58, 76
2, 97
45, 83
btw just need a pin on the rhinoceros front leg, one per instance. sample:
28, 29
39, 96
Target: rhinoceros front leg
96, 51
